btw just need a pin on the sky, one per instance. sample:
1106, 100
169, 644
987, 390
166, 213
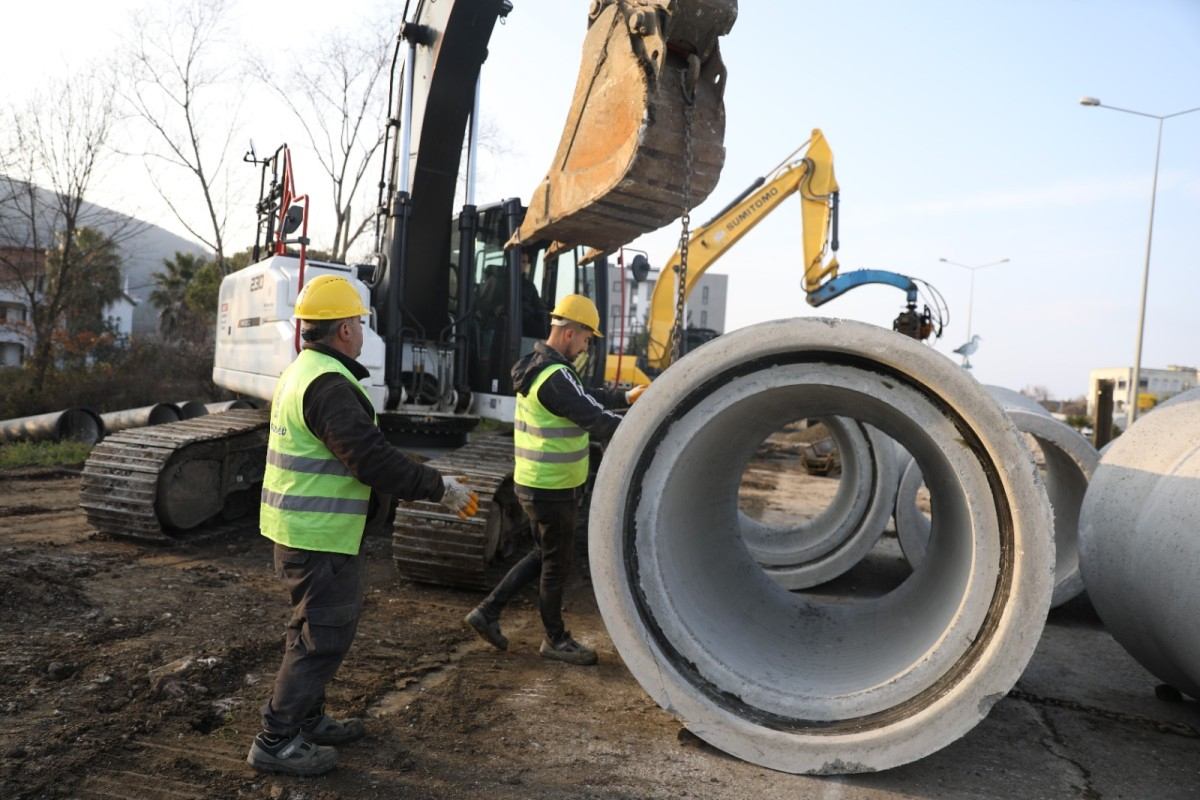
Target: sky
957, 134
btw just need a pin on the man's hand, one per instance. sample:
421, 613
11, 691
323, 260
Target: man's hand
458, 497
633, 394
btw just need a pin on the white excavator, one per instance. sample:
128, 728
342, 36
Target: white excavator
456, 296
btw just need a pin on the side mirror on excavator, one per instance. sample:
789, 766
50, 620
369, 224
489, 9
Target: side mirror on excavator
293, 219
639, 268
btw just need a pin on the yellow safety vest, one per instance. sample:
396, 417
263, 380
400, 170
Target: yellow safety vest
310, 500
551, 451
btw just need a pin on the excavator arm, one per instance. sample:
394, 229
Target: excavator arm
810, 175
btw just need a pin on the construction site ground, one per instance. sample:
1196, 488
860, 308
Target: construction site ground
135, 671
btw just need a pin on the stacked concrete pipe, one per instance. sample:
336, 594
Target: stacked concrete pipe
229, 405
822, 548
791, 681
71, 424
157, 414
1070, 460
190, 409
1138, 545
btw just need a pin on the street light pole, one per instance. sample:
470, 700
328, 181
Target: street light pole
1132, 407
971, 296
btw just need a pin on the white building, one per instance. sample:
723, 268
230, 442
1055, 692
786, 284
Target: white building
1154, 386
143, 249
705, 307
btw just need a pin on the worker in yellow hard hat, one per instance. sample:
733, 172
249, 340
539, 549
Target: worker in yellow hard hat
555, 419
331, 476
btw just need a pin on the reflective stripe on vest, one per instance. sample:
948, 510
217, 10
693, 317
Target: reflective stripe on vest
550, 452
309, 499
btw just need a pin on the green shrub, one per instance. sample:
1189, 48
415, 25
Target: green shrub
43, 454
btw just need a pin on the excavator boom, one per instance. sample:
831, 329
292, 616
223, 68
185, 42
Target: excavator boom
644, 135
811, 175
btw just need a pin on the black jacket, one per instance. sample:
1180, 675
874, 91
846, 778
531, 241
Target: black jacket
343, 419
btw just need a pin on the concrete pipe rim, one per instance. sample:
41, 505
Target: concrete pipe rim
758, 698
811, 552
1070, 463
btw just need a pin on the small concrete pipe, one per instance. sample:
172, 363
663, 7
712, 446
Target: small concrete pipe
1138, 548
822, 548
228, 405
190, 409
798, 682
157, 414
72, 424
1070, 460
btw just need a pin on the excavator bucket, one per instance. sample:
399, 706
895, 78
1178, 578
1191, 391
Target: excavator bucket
645, 134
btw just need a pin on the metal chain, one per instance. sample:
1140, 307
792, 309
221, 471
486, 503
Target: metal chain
1176, 728
689, 98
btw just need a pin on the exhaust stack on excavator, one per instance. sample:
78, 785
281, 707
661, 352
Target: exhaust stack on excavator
650, 90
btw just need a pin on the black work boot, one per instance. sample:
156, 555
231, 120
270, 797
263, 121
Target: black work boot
488, 629
569, 651
320, 728
271, 753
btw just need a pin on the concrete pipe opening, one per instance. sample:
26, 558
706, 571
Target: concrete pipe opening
1068, 461
806, 683
800, 551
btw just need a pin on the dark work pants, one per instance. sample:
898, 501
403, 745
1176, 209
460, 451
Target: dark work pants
326, 592
553, 526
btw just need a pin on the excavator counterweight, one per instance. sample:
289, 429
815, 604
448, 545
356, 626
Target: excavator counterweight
649, 96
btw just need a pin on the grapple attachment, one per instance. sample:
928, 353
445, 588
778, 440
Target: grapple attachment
646, 127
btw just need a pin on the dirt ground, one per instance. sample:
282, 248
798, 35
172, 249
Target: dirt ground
134, 671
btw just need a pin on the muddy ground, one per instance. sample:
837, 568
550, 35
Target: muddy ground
133, 671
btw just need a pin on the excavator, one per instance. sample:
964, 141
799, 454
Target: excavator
455, 298
808, 172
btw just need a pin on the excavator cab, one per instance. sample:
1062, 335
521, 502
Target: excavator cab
503, 303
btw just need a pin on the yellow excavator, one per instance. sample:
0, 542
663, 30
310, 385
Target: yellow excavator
808, 172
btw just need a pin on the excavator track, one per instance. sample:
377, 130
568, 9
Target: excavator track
163, 483
432, 545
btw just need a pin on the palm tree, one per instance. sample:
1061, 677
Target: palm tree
94, 281
175, 317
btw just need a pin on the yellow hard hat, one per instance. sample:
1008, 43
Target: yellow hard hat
329, 297
580, 309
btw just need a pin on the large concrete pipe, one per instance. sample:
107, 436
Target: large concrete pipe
820, 549
798, 682
72, 424
1069, 459
157, 414
1138, 546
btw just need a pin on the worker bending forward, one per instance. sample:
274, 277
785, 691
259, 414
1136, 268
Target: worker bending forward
330, 476
555, 417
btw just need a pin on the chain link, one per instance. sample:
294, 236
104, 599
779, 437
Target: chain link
1176, 728
689, 98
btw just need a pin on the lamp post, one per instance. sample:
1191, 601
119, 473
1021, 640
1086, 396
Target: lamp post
971, 296
1137, 355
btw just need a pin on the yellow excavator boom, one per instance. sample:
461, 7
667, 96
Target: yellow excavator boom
812, 176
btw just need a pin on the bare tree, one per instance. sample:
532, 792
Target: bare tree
180, 86
51, 237
338, 94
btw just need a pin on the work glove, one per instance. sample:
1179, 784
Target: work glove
458, 497
633, 394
